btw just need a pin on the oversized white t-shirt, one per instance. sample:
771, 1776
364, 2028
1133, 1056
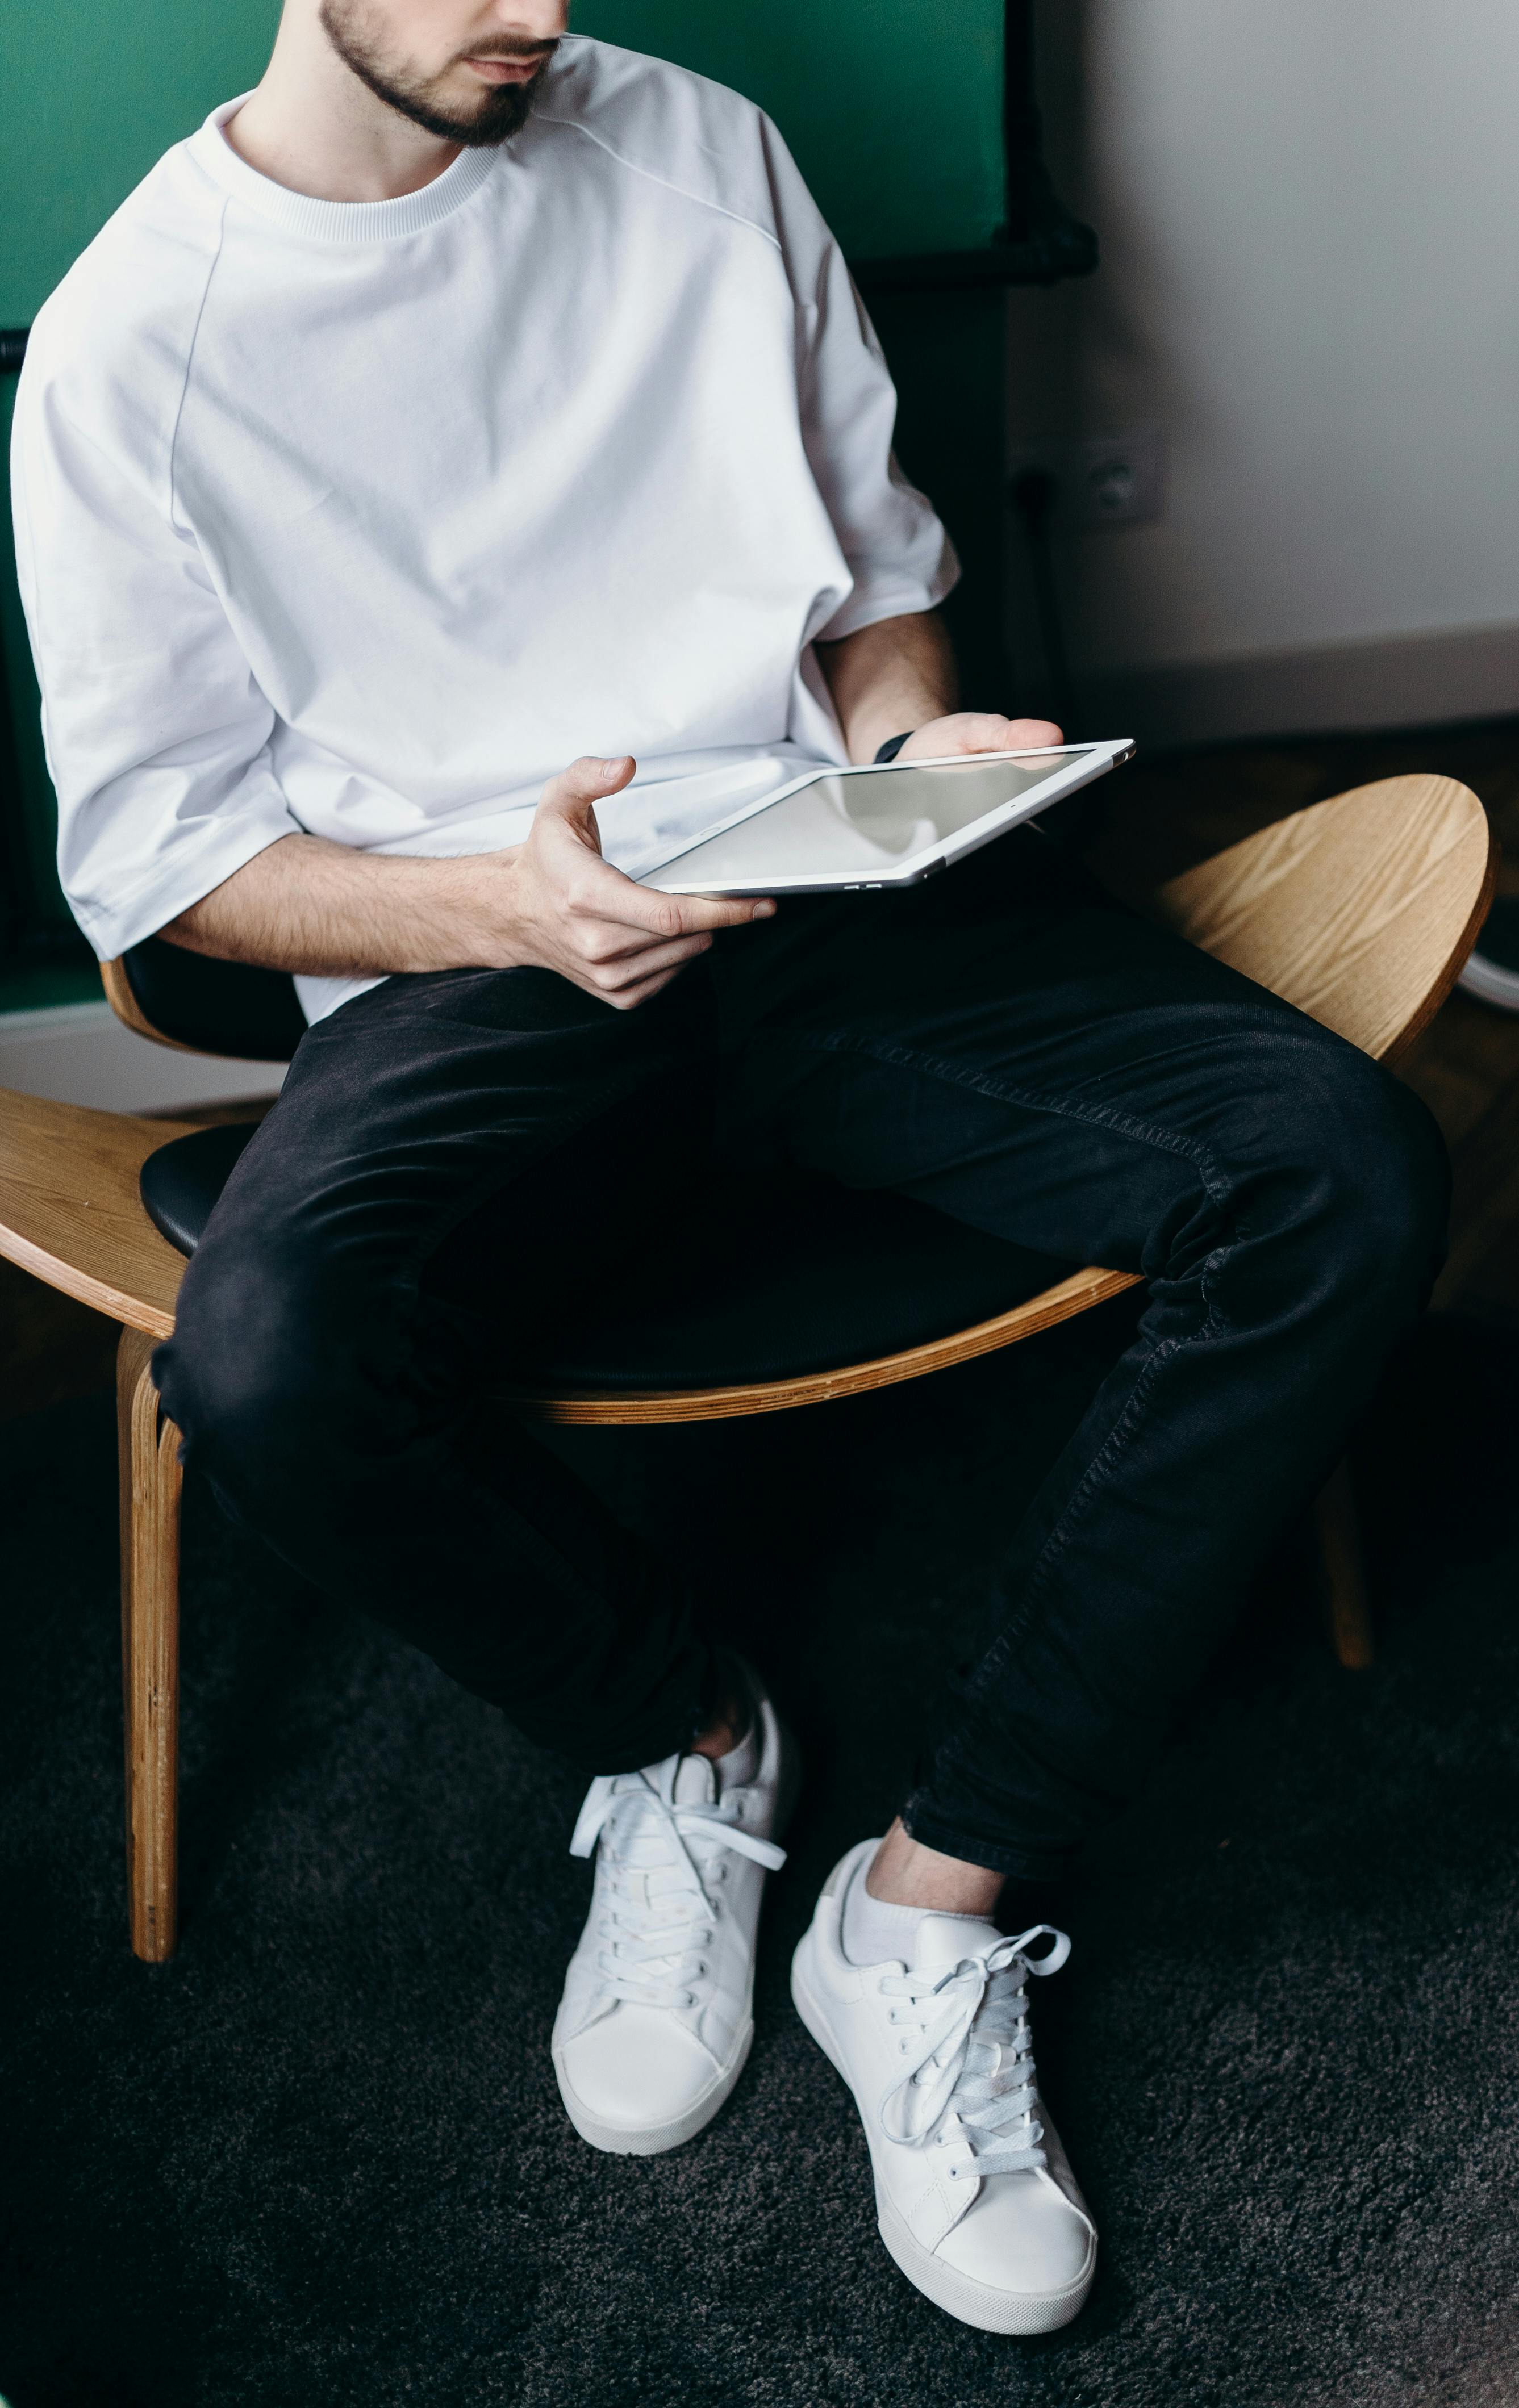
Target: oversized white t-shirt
365, 518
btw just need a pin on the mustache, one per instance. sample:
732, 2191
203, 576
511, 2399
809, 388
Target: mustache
511, 46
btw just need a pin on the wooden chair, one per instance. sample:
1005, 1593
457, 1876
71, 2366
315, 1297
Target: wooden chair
1360, 910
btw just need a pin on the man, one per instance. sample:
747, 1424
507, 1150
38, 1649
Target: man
468, 400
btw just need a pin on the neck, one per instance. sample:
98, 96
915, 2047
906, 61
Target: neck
312, 126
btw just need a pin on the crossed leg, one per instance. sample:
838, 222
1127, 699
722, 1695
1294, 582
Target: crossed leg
1010, 1049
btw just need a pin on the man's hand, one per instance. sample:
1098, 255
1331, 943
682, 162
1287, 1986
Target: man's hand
572, 912
978, 731
328, 910
899, 673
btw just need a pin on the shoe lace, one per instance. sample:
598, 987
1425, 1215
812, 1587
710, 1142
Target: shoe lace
661, 1862
976, 2054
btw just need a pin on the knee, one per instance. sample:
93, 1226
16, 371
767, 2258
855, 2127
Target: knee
257, 1389
1371, 1171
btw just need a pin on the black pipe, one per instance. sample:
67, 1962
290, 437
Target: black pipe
1034, 494
1040, 242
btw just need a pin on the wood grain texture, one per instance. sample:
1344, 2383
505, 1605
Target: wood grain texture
70, 1211
1076, 1294
1360, 910
150, 1482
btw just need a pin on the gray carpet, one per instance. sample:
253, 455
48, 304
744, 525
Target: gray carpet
319, 2160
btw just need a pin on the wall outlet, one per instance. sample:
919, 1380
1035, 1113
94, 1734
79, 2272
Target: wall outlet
1100, 479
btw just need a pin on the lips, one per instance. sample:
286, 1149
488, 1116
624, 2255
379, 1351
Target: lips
505, 70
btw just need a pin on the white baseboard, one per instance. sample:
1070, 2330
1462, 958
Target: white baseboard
1455, 673
80, 1054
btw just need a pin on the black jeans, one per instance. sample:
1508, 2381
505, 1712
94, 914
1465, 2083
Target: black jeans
1003, 1043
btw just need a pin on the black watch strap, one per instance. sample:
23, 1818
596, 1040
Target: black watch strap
889, 751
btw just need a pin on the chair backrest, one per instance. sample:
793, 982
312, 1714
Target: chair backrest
1360, 910
203, 1006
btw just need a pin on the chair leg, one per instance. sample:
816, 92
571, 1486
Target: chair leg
1339, 1537
148, 1446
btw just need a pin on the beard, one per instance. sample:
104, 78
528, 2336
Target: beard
501, 111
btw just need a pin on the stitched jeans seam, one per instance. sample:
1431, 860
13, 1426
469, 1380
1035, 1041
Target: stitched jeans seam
1100, 1470
1104, 1461
1032, 1099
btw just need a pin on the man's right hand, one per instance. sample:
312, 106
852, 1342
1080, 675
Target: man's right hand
328, 910
568, 910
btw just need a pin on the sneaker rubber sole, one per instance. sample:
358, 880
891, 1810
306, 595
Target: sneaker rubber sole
973, 2303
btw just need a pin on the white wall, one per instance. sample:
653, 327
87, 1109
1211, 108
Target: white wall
80, 1054
1310, 277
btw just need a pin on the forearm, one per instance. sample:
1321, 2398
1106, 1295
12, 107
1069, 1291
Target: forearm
897, 675
548, 903
324, 909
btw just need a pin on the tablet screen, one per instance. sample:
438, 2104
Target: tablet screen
863, 825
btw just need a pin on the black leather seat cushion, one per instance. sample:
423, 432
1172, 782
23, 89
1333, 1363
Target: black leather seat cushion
787, 1276
766, 1280
181, 1181
216, 1007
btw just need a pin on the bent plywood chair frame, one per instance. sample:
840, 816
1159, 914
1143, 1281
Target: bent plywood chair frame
1360, 910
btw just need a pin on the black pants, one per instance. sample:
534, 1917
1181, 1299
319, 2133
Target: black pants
1003, 1043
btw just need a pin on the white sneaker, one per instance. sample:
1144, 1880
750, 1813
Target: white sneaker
656, 2020
975, 2198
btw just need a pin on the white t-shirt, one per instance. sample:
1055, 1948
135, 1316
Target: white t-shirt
364, 518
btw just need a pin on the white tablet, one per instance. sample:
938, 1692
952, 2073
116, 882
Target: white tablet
840, 830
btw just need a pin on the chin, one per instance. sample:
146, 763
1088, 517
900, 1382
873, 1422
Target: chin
504, 112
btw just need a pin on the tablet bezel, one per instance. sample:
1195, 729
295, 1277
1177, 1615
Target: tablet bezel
1096, 760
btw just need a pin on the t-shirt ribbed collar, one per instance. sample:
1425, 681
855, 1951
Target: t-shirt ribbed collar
335, 221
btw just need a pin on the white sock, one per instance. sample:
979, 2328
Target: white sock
742, 1764
876, 1932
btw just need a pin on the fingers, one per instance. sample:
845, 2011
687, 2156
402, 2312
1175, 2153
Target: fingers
989, 731
680, 915
573, 912
624, 998
609, 970
567, 847
628, 997
586, 781
592, 890
980, 731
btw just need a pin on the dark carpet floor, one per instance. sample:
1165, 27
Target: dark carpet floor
319, 2160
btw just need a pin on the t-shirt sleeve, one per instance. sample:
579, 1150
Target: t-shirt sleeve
157, 736
898, 554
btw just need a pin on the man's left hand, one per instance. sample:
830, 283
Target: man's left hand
978, 731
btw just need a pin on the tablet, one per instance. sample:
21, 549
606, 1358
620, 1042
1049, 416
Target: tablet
840, 830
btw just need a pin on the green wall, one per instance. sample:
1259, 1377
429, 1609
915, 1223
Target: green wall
890, 106
91, 95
